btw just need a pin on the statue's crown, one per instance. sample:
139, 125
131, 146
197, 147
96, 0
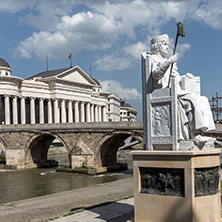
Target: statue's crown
159, 38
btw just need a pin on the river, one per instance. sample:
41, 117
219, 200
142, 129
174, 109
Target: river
19, 185
23, 184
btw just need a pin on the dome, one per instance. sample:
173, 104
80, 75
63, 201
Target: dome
3, 63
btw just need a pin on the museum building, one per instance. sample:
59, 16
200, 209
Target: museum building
127, 112
57, 96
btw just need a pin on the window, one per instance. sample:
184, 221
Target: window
6, 73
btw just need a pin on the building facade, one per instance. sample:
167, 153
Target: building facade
57, 96
127, 112
113, 107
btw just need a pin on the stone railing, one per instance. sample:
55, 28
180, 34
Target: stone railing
73, 126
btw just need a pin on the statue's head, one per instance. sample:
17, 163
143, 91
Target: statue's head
157, 41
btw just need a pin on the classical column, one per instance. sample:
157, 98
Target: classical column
7, 110
76, 111
15, 110
23, 112
32, 110
100, 114
70, 112
49, 105
92, 112
104, 114
41, 110
96, 113
63, 110
56, 111
88, 112
82, 112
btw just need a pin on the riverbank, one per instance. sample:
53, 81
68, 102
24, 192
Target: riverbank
60, 204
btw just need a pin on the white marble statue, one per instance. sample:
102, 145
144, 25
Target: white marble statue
194, 110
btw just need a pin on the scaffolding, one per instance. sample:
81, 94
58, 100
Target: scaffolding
216, 110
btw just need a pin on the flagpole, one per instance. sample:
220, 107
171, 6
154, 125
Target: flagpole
70, 57
71, 61
47, 62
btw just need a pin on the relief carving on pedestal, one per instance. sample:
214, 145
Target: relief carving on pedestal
206, 181
162, 181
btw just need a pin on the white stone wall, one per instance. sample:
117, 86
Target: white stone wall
68, 100
113, 107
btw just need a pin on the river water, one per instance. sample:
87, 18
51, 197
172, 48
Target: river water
23, 184
18, 185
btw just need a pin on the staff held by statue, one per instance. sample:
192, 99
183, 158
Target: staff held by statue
180, 32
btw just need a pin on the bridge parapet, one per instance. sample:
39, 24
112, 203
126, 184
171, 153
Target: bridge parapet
71, 126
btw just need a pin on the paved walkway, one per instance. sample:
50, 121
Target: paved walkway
120, 211
60, 204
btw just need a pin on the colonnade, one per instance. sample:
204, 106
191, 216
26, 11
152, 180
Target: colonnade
30, 110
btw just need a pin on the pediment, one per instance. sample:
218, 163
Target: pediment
76, 75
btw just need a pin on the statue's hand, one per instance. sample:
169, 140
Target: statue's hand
174, 70
173, 58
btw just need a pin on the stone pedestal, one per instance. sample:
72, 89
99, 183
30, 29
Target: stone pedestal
177, 186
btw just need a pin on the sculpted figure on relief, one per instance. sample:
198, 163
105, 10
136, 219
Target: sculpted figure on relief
194, 110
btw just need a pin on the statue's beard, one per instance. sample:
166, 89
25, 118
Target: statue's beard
163, 54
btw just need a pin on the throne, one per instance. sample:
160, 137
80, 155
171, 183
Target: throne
160, 109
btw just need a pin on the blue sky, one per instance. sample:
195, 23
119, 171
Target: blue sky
109, 36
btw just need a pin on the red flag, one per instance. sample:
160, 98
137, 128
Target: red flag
70, 55
90, 69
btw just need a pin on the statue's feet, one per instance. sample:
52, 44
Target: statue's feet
201, 140
217, 142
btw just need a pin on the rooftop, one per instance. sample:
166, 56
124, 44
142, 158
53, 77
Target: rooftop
3, 63
48, 73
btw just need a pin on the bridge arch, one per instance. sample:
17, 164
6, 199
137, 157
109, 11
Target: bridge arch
37, 147
3, 147
107, 147
3, 144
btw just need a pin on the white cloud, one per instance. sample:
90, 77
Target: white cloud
116, 88
40, 43
112, 62
129, 55
44, 17
14, 5
135, 50
106, 24
210, 13
182, 48
85, 30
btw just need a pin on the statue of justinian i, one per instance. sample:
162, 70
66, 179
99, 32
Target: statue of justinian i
194, 113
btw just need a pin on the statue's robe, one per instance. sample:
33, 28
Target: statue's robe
194, 110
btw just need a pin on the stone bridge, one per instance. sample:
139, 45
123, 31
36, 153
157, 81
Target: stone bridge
92, 144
